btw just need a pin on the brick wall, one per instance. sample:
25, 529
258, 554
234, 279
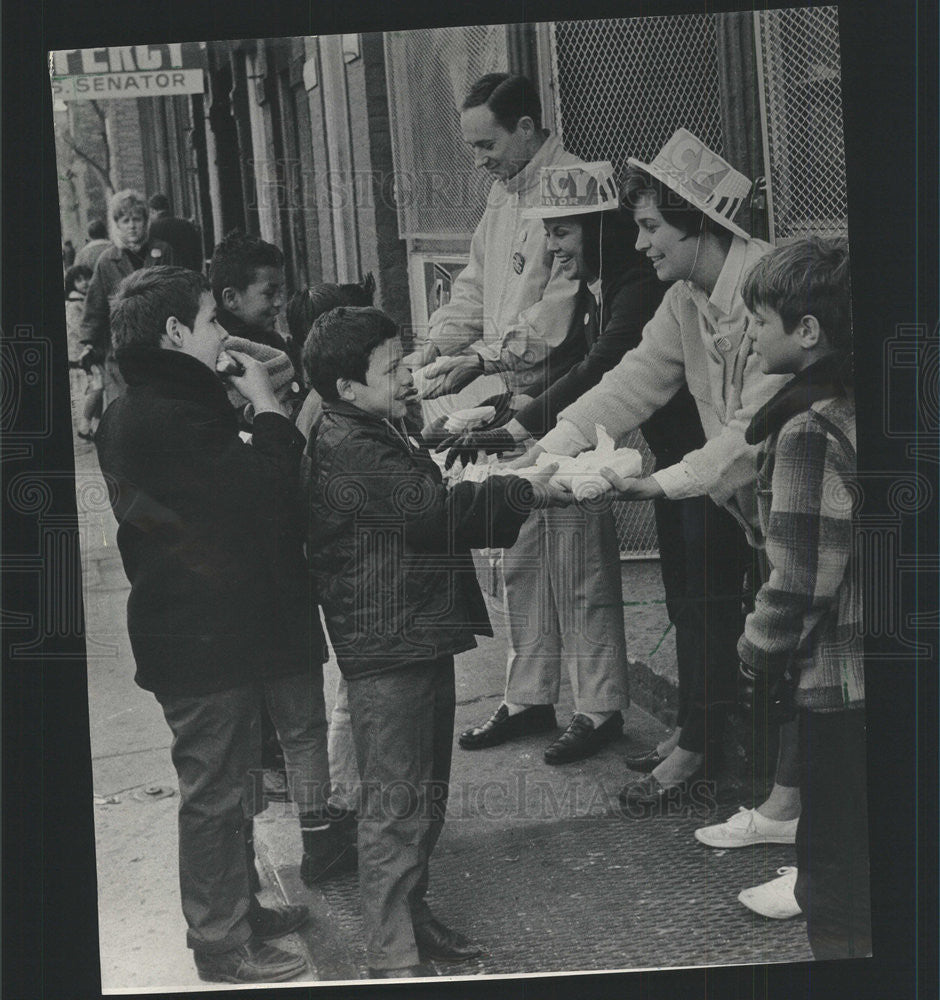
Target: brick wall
381, 250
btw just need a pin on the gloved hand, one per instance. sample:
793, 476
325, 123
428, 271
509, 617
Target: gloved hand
766, 695
467, 445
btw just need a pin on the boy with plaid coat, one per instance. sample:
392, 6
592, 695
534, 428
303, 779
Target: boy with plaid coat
802, 644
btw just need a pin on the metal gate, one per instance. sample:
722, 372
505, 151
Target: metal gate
801, 106
438, 192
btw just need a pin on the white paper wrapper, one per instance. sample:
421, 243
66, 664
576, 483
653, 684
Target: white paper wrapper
581, 474
464, 420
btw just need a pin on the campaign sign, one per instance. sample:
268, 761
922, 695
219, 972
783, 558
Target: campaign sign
128, 71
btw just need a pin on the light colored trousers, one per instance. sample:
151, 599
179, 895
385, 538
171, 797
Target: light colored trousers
564, 604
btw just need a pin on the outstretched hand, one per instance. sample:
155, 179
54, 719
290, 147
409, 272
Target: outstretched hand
632, 489
450, 375
469, 444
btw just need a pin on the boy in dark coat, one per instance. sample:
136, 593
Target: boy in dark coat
390, 548
208, 536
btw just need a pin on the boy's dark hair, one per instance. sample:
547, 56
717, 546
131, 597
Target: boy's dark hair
97, 229
508, 97
808, 278
75, 273
236, 258
146, 299
638, 184
159, 202
309, 303
341, 343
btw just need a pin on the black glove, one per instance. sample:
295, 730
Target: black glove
89, 357
466, 445
767, 695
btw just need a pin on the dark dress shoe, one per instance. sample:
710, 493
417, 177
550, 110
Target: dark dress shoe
650, 797
274, 922
252, 962
438, 943
644, 762
406, 972
582, 740
501, 726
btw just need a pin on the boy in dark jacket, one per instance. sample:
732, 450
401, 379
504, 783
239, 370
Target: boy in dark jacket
208, 533
802, 644
390, 548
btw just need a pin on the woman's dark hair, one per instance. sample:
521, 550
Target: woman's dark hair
609, 240
75, 273
638, 184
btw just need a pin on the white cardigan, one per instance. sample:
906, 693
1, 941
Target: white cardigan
699, 340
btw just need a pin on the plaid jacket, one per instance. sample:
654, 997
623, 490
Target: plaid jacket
808, 615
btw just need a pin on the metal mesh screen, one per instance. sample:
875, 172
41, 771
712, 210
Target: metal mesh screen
438, 191
636, 525
803, 104
625, 85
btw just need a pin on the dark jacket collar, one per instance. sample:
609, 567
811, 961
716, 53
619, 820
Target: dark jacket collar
349, 411
175, 375
830, 376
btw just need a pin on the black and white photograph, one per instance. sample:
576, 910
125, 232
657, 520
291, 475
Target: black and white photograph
479, 577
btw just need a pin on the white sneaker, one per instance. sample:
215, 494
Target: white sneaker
773, 899
747, 827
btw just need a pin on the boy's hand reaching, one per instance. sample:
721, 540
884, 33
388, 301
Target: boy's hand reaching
254, 384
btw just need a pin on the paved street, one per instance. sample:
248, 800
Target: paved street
534, 862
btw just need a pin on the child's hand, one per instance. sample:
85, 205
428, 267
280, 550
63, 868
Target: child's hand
254, 384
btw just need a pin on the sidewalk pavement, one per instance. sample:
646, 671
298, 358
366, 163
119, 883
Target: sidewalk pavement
534, 863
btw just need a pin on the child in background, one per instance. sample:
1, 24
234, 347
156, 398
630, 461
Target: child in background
84, 397
390, 549
802, 644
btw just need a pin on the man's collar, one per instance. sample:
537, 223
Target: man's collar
528, 176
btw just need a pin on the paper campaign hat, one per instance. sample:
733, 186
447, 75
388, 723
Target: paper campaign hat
702, 177
575, 190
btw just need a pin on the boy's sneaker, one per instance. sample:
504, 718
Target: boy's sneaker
747, 827
774, 899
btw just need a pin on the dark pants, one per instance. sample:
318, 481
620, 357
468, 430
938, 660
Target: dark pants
213, 747
403, 728
832, 886
703, 558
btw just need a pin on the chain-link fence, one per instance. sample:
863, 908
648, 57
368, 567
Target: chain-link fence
803, 121
624, 85
439, 193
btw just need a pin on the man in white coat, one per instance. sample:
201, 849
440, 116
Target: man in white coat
505, 328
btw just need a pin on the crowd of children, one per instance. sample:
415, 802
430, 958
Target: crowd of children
259, 476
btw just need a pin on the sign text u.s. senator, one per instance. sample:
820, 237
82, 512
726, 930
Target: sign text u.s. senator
127, 71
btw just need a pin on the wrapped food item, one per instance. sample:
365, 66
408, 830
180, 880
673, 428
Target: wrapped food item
465, 420
581, 474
